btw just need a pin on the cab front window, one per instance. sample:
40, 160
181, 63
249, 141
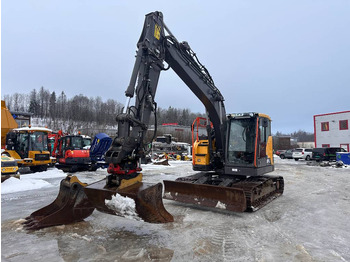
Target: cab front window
38, 141
242, 141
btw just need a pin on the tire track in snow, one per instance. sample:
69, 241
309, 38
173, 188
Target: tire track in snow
229, 243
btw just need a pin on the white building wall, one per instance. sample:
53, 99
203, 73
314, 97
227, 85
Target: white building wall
334, 137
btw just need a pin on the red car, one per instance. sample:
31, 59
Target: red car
278, 152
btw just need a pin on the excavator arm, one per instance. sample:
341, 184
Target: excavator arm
55, 146
156, 46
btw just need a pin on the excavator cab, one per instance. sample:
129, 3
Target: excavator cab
24, 141
239, 184
249, 145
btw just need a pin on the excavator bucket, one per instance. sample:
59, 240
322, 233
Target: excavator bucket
71, 205
76, 201
139, 201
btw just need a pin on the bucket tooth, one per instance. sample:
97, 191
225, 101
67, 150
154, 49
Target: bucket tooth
71, 205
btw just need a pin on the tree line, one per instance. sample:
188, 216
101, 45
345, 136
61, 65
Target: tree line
58, 107
80, 110
300, 136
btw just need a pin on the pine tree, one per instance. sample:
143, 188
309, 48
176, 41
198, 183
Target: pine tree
33, 103
52, 107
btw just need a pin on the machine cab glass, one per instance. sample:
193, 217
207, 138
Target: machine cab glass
241, 146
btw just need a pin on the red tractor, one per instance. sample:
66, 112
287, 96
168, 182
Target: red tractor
70, 153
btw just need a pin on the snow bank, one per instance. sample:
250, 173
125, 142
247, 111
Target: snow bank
12, 185
50, 173
30, 181
123, 206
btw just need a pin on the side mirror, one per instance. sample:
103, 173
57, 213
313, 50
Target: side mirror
265, 122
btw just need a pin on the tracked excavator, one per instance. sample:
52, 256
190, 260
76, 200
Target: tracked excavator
232, 159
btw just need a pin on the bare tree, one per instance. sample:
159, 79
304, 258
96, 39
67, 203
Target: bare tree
88, 112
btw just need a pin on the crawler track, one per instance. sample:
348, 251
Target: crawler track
234, 193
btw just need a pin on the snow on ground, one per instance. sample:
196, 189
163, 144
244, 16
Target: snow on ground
31, 181
309, 222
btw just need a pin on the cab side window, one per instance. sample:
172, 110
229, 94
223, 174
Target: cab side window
264, 133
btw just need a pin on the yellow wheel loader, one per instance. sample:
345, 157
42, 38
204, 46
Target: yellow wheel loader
29, 146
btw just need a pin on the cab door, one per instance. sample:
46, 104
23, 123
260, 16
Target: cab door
264, 143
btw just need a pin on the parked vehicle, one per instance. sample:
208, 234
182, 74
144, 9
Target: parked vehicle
278, 152
98, 148
29, 146
9, 168
326, 153
287, 154
77, 153
302, 153
70, 153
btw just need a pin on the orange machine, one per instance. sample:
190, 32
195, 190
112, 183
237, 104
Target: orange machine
70, 153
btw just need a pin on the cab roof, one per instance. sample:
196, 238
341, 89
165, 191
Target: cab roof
26, 129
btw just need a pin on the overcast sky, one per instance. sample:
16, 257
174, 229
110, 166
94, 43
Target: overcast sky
288, 59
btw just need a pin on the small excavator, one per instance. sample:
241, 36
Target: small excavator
70, 153
232, 159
